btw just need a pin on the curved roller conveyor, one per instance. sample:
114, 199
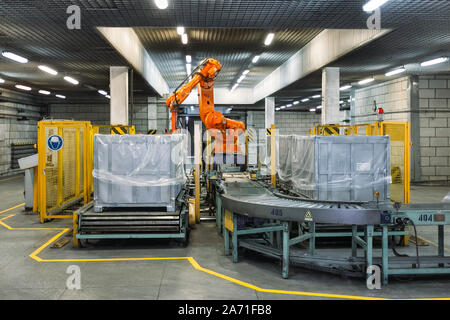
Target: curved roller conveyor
253, 199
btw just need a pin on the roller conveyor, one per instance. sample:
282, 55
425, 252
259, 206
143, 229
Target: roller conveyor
251, 198
241, 197
130, 224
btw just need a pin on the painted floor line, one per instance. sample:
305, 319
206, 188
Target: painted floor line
434, 244
193, 263
12, 178
12, 208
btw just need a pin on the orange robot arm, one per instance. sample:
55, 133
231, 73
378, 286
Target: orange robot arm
203, 77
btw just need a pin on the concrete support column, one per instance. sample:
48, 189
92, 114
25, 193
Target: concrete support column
119, 95
164, 116
330, 96
414, 120
252, 142
270, 111
249, 119
152, 111
269, 121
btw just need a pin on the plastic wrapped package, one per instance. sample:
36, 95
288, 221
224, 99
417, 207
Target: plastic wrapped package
284, 152
138, 170
336, 168
446, 198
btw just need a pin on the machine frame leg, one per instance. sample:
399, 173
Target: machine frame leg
369, 247
312, 240
235, 239
354, 245
441, 240
226, 240
385, 255
285, 265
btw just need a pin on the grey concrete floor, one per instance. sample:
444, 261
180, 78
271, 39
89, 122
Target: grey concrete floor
21, 277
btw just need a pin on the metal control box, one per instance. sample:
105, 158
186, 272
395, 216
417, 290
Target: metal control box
137, 170
338, 168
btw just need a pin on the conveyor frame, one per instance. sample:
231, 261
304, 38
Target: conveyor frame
180, 229
245, 200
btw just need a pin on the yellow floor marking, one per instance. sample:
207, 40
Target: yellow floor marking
19, 205
434, 244
194, 264
12, 178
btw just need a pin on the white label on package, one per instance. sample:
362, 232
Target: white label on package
363, 166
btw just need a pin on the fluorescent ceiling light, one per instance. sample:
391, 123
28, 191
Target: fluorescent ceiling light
283, 107
345, 87
192, 108
316, 96
71, 80
312, 110
108, 96
341, 102
2, 81
102, 92
277, 109
60, 96
373, 4
188, 68
14, 57
269, 39
434, 61
289, 105
245, 72
305, 100
241, 78
188, 59
44, 92
180, 30
394, 72
162, 4
255, 59
296, 102
319, 107
48, 70
234, 87
21, 87
366, 81
184, 38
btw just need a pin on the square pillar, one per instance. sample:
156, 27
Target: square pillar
152, 111
119, 95
330, 96
270, 111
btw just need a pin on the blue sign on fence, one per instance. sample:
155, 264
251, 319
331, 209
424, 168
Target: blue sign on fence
55, 142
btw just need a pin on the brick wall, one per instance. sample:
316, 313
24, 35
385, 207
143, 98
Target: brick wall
434, 104
96, 113
13, 130
99, 114
289, 122
296, 122
392, 96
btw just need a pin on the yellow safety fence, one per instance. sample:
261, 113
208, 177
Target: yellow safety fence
63, 148
400, 135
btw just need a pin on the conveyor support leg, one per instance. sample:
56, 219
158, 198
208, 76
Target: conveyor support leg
369, 247
226, 241
385, 253
235, 239
354, 245
312, 240
285, 266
